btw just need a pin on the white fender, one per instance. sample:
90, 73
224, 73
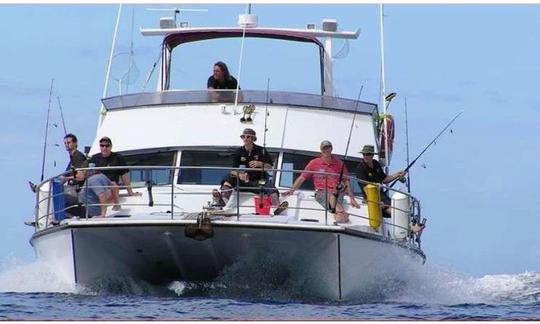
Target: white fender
400, 215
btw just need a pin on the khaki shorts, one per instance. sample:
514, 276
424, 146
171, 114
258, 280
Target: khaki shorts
321, 199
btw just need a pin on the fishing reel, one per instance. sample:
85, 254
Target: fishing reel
340, 187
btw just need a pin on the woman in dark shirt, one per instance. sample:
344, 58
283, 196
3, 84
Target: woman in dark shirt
221, 78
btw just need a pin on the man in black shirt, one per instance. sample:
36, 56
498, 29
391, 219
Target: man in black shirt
370, 170
76, 157
108, 158
76, 160
251, 156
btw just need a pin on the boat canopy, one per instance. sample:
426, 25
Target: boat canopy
198, 34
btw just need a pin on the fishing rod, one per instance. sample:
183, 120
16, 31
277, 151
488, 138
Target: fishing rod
46, 132
407, 145
426, 148
339, 185
261, 181
62, 115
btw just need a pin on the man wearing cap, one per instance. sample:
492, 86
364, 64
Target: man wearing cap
250, 156
370, 170
325, 183
107, 158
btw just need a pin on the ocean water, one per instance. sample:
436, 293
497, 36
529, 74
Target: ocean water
33, 292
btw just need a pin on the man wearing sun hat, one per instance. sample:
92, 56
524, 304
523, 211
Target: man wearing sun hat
370, 170
249, 156
326, 185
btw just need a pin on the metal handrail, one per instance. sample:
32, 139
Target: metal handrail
49, 197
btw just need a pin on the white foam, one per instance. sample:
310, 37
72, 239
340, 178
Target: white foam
444, 286
37, 276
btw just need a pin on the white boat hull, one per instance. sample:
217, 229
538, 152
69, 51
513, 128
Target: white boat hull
335, 264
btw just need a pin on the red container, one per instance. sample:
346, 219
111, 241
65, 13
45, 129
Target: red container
267, 203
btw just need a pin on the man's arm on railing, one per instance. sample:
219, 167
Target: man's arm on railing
295, 186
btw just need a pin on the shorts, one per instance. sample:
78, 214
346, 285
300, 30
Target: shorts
321, 199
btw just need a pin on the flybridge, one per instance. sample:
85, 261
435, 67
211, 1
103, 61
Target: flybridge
175, 35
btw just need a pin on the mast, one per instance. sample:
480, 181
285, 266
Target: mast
383, 93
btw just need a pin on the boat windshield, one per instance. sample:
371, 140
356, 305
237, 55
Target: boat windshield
158, 177
290, 66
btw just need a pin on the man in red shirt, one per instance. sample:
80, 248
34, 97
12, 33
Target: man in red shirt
327, 163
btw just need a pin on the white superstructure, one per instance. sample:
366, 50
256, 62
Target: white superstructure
179, 144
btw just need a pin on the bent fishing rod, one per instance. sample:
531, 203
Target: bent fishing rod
46, 132
427, 147
339, 185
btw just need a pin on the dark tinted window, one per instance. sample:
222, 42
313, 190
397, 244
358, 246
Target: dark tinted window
207, 159
151, 159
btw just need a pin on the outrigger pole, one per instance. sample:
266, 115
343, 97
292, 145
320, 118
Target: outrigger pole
383, 90
426, 148
46, 132
109, 64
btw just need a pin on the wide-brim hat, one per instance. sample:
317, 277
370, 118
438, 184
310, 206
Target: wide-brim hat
368, 149
249, 132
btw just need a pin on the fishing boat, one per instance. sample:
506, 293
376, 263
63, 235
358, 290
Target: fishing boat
178, 144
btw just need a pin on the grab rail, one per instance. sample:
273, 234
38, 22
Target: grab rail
46, 219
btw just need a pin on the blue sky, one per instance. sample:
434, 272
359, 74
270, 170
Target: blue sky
478, 187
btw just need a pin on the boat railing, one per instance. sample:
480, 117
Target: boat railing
51, 203
183, 97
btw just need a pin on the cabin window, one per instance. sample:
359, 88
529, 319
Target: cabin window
298, 162
158, 177
207, 159
291, 66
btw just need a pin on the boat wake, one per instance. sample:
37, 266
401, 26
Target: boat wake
436, 285
20, 277
273, 281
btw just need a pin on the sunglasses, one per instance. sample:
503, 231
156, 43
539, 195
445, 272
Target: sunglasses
246, 136
104, 145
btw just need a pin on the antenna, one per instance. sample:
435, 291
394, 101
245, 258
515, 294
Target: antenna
176, 11
130, 49
248, 10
